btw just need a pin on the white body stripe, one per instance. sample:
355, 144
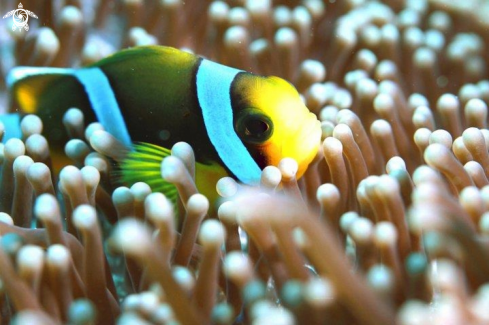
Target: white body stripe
11, 123
19, 73
104, 103
99, 92
214, 95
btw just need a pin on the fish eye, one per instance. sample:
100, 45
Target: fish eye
254, 127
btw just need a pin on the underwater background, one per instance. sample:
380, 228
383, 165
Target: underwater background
389, 224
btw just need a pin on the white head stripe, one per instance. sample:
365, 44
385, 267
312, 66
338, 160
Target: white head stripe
104, 103
214, 95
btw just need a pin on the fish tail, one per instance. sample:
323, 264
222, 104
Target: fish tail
28, 84
17, 74
25, 84
48, 93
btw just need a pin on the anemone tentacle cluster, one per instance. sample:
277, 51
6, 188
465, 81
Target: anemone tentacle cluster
389, 225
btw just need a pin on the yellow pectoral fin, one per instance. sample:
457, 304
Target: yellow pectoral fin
206, 178
143, 164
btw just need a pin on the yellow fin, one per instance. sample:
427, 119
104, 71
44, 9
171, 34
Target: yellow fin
143, 164
206, 178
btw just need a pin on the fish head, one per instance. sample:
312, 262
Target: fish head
273, 122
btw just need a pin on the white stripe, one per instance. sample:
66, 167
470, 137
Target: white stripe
19, 73
11, 124
214, 95
99, 93
104, 103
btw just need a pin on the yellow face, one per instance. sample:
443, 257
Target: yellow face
274, 122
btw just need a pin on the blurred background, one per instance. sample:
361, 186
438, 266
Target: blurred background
389, 225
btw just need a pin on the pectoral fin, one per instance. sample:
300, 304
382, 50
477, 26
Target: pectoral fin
143, 164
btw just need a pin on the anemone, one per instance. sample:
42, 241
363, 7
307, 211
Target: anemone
389, 224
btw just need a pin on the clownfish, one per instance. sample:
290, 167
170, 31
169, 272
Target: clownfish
152, 97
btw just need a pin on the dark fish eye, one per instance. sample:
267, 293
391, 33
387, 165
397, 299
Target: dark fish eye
256, 127
253, 126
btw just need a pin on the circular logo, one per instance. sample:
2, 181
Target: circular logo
20, 17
